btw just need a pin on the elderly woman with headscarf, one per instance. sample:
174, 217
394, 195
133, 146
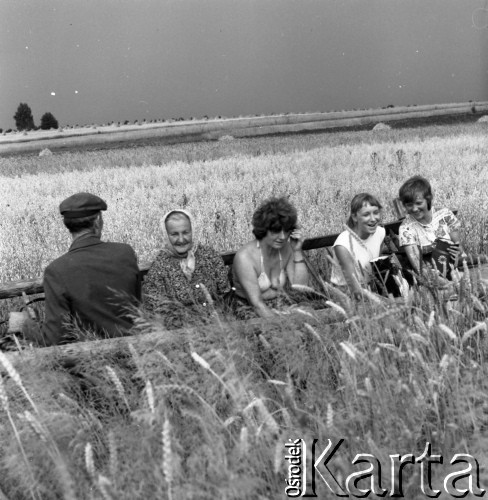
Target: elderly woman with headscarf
182, 266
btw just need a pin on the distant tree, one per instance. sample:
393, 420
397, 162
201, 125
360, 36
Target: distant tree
23, 117
48, 121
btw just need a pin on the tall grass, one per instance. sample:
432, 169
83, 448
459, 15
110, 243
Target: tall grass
205, 412
224, 192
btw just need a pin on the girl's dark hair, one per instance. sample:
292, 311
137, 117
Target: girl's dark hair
358, 202
80, 223
274, 215
414, 187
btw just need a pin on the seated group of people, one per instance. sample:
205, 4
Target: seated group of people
94, 283
260, 270
422, 234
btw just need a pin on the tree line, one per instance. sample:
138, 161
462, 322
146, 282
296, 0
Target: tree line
25, 121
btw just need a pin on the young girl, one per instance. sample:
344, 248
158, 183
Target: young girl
423, 227
356, 247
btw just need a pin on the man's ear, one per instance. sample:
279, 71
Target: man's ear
99, 223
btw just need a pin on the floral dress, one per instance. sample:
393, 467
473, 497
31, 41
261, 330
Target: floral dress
424, 236
165, 282
412, 232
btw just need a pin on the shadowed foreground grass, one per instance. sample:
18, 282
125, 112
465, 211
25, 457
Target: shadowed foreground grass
205, 412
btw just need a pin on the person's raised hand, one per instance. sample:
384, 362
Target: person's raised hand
296, 239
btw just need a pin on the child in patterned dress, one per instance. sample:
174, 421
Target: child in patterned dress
424, 228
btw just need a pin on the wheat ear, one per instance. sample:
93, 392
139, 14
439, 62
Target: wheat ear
118, 384
167, 455
89, 462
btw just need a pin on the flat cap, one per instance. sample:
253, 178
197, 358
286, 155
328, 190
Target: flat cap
81, 205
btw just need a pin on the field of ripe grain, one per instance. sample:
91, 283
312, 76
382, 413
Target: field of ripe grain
223, 184
205, 413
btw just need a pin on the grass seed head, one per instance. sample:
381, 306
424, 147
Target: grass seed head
200, 361
150, 396
167, 452
117, 383
3, 395
89, 462
244, 441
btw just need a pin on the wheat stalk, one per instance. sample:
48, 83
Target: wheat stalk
314, 332
44, 435
5, 405
105, 487
278, 456
196, 357
89, 462
266, 418
329, 421
445, 329
137, 360
167, 455
14, 375
113, 455
336, 307
349, 349
3, 396
244, 441
480, 327
204, 364
37, 427
150, 396
118, 384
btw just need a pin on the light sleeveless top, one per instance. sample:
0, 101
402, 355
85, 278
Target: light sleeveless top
264, 282
362, 252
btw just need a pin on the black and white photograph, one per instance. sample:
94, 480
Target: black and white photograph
243, 249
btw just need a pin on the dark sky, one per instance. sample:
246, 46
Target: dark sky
115, 60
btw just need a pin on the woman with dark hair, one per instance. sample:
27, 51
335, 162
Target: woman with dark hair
263, 266
424, 228
356, 247
182, 266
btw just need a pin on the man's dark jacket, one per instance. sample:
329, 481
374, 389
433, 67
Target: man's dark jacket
91, 285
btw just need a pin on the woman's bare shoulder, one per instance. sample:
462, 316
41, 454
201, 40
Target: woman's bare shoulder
247, 252
248, 248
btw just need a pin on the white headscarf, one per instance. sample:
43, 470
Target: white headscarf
187, 263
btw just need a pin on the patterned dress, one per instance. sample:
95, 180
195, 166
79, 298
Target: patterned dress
424, 236
412, 232
165, 281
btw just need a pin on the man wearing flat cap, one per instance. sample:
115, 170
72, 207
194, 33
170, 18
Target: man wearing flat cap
94, 283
